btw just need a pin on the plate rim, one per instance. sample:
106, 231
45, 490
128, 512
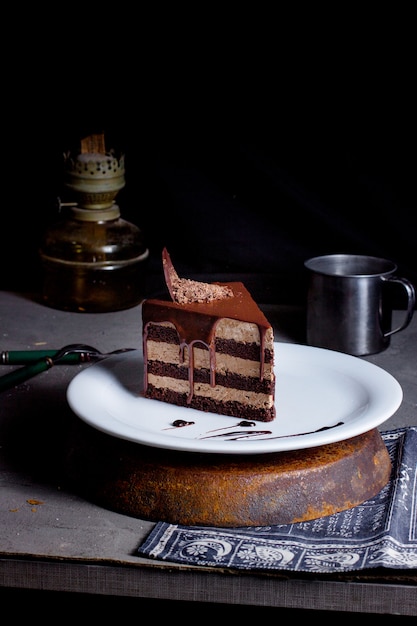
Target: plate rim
264, 446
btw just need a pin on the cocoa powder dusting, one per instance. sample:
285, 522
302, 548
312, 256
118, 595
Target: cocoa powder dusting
193, 291
184, 290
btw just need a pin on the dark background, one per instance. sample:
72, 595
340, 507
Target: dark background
243, 159
252, 141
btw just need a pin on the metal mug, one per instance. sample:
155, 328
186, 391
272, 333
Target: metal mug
348, 307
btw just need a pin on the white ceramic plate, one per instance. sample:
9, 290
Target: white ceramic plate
322, 396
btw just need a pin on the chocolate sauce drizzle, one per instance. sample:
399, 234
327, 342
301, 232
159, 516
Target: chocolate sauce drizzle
179, 424
236, 435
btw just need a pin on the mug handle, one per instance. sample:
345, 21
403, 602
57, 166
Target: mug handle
411, 295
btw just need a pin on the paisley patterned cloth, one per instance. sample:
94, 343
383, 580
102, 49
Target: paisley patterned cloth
381, 532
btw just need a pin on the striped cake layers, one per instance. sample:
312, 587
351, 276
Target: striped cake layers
197, 357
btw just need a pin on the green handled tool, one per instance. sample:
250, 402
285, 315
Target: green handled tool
37, 361
25, 357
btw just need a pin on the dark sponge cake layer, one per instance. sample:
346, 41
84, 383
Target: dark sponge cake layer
233, 409
231, 379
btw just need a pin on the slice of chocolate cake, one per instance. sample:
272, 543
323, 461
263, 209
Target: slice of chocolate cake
210, 348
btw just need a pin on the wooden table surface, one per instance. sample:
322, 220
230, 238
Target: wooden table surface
52, 539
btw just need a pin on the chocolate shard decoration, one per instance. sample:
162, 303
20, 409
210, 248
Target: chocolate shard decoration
184, 290
171, 277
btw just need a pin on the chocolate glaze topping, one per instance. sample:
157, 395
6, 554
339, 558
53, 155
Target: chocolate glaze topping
200, 327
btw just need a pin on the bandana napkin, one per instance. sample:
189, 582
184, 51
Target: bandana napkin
381, 532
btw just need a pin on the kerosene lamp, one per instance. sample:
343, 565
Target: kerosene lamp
92, 259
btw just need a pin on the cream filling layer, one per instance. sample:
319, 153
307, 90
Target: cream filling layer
169, 353
217, 393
